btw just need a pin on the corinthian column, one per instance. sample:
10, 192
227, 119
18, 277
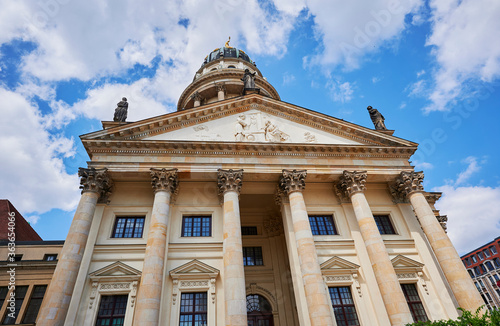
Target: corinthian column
409, 184
147, 311
318, 303
352, 184
95, 185
229, 182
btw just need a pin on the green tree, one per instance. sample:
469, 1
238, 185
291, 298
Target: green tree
489, 318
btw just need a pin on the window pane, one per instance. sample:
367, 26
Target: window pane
112, 310
193, 309
252, 256
196, 226
3, 294
414, 303
493, 250
34, 304
322, 225
128, 227
248, 230
343, 306
20, 293
384, 224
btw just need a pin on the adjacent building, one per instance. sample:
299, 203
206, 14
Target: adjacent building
26, 267
242, 209
483, 265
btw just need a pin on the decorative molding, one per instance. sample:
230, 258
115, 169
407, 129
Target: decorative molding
433, 197
253, 288
273, 226
229, 180
404, 265
220, 87
280, 197
196, 97
194, 275
443, 219
404, 276
339, 270
422, 280
341, 193
96, 180
292, 181
351, 183
164, 180
406, 184
309, 137
338, 278
258, 128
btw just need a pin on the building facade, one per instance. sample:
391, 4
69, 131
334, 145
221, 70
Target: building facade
242, 209
483, 265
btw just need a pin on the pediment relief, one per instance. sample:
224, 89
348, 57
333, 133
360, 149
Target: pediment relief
116, 270
194, 268
405, 264
337, 264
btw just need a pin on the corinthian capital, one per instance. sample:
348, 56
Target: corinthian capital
96, 180
407, 183
229, 180
351, 183
292, 181
220, 87
164, 180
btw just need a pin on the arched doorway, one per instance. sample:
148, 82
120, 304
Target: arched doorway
259, 311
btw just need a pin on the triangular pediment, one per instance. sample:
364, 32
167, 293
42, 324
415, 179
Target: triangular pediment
338, 264
117, 269
194, 268
249, 119
402, 263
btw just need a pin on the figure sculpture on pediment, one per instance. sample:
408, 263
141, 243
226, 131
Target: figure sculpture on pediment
273, 134
121, 111
241, 126
249, 79
377, 118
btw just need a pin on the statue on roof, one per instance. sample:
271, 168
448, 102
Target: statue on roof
377, 118
121, 110
249, 79
227, 43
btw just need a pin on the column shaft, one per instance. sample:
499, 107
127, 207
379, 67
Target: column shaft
387, 280
460, 282
234, 273
58, 296
149, 295
317, 298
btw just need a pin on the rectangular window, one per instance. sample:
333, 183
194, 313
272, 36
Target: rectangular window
3, 294
477, 286
474, 259
252, 256
486, 252
480, 255
34, 304
112, 310
489, 265
477, 271
493, 250
497, 262
414, 302
128, 227
20, 293
471, 273
18, 257
248, 230
496, 277
193, 309
343, 306
196, 226
50, 257
384, 224
322, 225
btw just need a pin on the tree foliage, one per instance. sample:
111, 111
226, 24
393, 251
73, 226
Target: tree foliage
489, 318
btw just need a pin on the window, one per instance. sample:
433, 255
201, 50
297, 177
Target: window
474, 259
485, 270
3, 293
193, 309
343, 306
484, 298
416, 307
467, 261
384, 224
496, 260
481, 283
322, 225
128, 227
496, 277
477, 286
493, 250
492, 280
20, 293
50, 257
34, 304
16, 258
486, 252
112, 310
480, 255
248, 230
488, 296
477, 271
196, 226
252, 256
489, 265
471, 273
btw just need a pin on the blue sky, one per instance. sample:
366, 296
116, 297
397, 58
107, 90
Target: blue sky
431, 67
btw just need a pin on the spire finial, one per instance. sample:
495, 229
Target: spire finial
227, 43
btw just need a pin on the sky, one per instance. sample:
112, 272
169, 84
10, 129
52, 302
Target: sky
430, 67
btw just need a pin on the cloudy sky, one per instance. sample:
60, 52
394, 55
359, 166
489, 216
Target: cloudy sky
431, 67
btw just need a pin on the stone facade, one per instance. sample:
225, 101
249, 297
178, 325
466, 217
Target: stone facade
238, 181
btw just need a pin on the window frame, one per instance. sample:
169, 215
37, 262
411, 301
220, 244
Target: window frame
115, 224
193, 306
391, 224
46, 257
480, 255
31, 297
493, 250
474, 259
254, 256
183, 225
112, 316
249, 227
324, 219
21, 305
412, 303
342, 305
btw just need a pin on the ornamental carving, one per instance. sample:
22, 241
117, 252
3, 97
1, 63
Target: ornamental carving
351, 183
403, 276
256, 127
407, 183
220, 87
292, 181
196, 97
338, 278
273, 226
280, 197
194, 284
229, 180
442, 219
164, 180
96, 180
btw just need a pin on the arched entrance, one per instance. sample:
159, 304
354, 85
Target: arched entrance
259, 311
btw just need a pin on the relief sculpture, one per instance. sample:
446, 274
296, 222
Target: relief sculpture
259, 128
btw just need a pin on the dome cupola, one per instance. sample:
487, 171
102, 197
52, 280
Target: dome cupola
220, 77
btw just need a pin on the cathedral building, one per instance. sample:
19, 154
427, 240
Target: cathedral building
242, 209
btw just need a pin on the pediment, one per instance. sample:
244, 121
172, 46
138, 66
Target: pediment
194, 268
338, 264
117, 269
402, 263
247, 120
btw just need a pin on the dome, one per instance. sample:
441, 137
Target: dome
227, 52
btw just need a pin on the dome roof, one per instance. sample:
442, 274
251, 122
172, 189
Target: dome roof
227, 52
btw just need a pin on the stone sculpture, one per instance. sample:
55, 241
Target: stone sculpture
121, 110
377, 118
249, 79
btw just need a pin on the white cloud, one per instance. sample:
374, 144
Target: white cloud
416, 89
472, 167
463, 46
32, 169
33, 219
288, 78
340, 91
473, 215
376, 79
423, 165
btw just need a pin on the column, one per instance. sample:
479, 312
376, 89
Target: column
196, 99
96, 185
352, 185
292, 182
221, 91
147, 311
409, 184
229, 182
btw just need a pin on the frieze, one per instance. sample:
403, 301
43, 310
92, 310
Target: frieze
403, 276
194, 284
